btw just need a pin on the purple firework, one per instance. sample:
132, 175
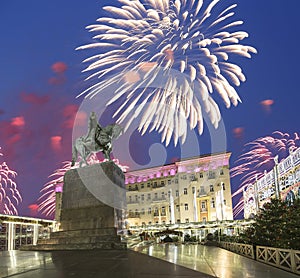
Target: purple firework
9, 194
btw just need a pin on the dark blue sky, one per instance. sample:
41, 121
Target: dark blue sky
35, 35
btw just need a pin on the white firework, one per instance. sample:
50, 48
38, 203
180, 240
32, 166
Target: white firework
188, 43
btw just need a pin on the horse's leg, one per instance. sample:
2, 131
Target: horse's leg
74, 154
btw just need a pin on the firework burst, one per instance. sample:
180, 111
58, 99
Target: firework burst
189, 43
9, 194
258, 157
46, 202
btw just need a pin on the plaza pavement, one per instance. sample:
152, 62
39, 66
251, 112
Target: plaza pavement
157, 261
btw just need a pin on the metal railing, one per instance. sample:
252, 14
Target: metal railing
286, 259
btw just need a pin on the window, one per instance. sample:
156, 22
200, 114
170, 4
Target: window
193, 190
223, 185
169, 181
176, 180
221, 172
201, 175
169, 194
211, 188
184, 177
148, 184
130, 199
162, 183
204, 219
185, 191
178, 208
136, 213
155, 195
149, 222
142, 197
163, 211
155, 184
129, 188
149, 197
142, 185
187, 220
186, 206
156, 212
212, 202
136, 198
211, 175
225, 202
203, 205
192, 177
169, 208
163, 195
149, 210
178, 220
143, 211
177, 193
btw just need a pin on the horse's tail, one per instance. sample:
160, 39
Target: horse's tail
74, 154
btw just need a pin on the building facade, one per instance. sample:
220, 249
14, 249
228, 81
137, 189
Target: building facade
283, 182
191, 190
16, 231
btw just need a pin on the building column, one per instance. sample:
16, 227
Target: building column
11, 236
195, 205
35, 234
276, 177
172, 208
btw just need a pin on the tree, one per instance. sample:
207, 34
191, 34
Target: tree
277, 225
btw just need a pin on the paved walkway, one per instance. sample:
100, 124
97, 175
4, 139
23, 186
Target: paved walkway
215, 261
165, 261
89, 264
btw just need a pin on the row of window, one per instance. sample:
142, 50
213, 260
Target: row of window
201, 191
210, 175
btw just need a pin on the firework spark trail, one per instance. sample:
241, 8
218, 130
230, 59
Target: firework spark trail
10, 196
258, 157
46, 201
142, 41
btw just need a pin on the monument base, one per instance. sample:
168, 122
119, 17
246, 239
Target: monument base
86, 222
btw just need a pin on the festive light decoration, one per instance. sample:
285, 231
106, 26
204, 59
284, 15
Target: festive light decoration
186, 46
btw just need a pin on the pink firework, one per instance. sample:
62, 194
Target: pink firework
47, 200
258, 157
9, 194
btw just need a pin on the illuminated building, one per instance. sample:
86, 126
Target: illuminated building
283, 182
191, 190
16, 231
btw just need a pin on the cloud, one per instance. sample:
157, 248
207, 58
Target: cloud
267, 105
238, 132
34, 99
56, 143
58, 80
18, 121
59, 67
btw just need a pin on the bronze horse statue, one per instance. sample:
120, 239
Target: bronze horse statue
97, 139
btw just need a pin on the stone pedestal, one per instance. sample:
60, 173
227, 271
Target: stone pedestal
89, 221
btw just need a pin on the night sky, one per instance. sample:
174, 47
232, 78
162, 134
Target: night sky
41, 77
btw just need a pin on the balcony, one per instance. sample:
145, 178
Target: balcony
161, 199
134, 215
133, 202
133, 189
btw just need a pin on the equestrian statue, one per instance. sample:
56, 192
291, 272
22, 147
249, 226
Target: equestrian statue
97, 139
